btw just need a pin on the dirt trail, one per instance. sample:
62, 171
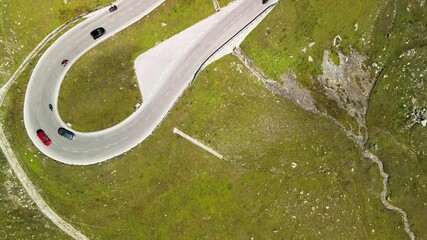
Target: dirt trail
384, 193
10, 156
32, 191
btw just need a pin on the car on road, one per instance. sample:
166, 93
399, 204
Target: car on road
64, 62
97, 33
66, 133
264, 1
112, 8
43, 137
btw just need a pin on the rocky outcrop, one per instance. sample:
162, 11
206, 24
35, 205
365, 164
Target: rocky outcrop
418, 115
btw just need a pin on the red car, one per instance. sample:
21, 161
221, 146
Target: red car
45, 139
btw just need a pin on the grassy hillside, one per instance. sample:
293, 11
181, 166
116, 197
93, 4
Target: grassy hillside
19, 217
396, 112
167, 187
391, 36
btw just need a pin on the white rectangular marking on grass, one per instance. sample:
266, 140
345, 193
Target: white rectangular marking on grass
210, 150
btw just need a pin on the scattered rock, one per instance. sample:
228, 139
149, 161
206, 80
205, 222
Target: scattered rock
311, 44
164, 24
310, 59
337, 41
294, 164
417, 115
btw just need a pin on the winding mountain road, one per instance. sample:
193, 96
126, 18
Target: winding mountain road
163, 72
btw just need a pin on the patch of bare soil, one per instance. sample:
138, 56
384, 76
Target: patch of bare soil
348, 84
290, 88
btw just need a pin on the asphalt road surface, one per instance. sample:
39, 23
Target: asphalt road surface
163, 73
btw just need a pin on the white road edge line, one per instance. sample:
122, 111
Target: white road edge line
210, 150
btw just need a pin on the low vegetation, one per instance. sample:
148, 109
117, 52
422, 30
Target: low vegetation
224, 3
291, 43
19, 217
391, 36
396, 115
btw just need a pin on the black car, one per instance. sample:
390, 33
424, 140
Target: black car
112, 8
97, 32
66, 133
264, 1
